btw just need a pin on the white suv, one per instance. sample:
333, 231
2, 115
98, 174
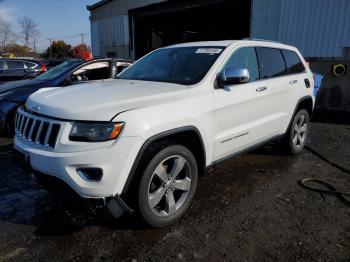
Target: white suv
141, 141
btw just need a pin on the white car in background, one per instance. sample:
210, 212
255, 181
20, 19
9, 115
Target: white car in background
141, 141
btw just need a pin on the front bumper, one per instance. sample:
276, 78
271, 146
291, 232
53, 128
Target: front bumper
115, 160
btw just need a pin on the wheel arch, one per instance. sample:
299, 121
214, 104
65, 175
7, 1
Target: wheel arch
188, 136
306, 103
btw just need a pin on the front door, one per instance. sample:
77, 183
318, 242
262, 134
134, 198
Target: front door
241, 119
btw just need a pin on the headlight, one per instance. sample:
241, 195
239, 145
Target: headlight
3, 95
95, 132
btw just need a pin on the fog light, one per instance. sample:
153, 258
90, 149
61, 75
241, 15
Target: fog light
90, 173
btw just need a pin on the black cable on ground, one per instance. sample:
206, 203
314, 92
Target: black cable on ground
330, 190
343, 169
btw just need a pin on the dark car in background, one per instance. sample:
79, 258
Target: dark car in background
50, 63
70, 72
12, 69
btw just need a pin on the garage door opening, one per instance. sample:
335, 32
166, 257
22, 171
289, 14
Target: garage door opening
170, 23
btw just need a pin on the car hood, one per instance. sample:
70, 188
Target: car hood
103, 100
15, 85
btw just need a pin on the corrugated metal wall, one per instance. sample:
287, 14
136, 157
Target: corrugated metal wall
110, 26
119, 7
319, 28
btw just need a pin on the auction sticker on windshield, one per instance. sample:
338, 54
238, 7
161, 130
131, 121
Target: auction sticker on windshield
210, 51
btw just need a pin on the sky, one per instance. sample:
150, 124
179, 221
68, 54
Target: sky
57, 19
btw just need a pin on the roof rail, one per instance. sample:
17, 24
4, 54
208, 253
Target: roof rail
257, 39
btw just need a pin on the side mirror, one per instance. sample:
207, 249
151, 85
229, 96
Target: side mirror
233, 76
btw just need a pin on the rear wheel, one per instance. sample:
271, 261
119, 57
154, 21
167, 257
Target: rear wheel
297, 134
167, 186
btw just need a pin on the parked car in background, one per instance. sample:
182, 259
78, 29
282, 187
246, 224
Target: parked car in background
50, 63
12, 69
14, 94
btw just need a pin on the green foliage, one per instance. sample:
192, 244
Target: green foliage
17, 50
58, 49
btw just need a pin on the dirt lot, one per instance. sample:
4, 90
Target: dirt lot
247, 209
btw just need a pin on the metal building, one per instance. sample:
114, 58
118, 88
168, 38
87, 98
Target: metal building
319, 28
130, 28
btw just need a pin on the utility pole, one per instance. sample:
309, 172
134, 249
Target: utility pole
34, 47
50, 39
82, 38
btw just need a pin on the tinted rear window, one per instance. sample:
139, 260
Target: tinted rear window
15, 65
271, 62
294, 64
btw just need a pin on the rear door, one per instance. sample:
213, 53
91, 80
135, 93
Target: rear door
297, 78
15, 70
281, 94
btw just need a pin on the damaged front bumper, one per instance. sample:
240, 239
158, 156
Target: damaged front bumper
61, 190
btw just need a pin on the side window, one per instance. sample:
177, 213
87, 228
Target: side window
93, 71
245, 58
15, 65
30, 65
294, 64
271, 62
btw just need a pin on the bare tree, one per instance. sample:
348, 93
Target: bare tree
6, 34
29, 30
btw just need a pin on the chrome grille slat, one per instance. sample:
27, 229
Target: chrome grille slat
22, 123
48, 133
25, 127
37, 130
31, 130
16, 122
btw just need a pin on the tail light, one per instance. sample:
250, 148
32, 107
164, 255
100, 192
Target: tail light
43, 68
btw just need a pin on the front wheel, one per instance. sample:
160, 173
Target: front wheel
167, 186
297, 134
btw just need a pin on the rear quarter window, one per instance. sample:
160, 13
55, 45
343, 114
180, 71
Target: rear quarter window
271, 62
30, 65
294, 64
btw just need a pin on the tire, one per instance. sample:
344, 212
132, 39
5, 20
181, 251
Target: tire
167, 186
296, 137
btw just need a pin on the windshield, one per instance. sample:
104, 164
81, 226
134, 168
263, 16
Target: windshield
58, 70
180, 65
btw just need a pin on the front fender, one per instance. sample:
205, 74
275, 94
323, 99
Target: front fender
194, 112
7, 109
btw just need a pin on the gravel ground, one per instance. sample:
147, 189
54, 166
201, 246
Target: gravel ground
250, 208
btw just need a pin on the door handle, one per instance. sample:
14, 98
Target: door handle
292, 82
261, 89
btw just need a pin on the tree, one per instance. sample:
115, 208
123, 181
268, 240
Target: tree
58, 49
6, 34
17, 50
29, 30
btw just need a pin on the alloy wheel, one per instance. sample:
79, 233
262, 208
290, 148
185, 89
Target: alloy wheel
300, 131
169, 186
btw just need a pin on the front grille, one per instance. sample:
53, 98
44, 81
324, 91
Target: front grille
36, 129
